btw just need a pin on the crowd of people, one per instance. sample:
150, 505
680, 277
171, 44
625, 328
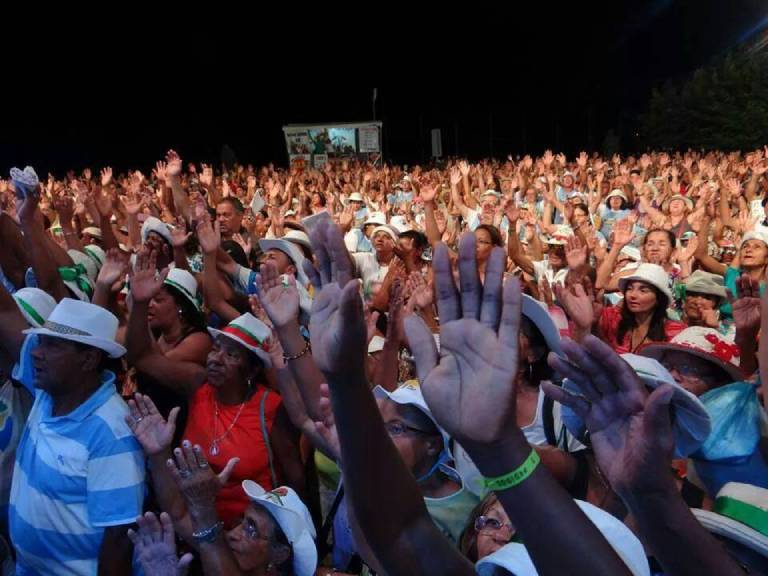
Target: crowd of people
526, 366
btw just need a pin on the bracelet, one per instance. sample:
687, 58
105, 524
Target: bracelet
306, 349
517, 475
209, 534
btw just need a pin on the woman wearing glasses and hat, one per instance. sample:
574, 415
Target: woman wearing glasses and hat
274, 535
752, 260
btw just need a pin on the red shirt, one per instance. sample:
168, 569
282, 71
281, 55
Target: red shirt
609, 328
245, 440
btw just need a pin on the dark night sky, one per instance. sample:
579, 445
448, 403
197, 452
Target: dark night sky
595, 74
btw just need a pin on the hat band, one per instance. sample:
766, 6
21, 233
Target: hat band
183, 290
246, 336
31, 311
753, 516
62, 329
78, 275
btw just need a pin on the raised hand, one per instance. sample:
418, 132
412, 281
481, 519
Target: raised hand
470, 386
623, 232
746, 304
278, 295
337, 325
155, 546
65, 208
194, 477
630, 430
577, 303
146, 282
179, 234
455, 175
464, 168
428, 192
113, 271
173, 164
148, 425
106, 176
209, 235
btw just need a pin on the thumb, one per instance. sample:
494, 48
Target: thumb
183, 566
228, 469
172, 418
657, 421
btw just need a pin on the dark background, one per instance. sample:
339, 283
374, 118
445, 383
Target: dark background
562, 81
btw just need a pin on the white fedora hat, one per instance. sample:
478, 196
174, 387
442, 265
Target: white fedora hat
376, 219
87, 261
617, 193
157, 226
184, 283
35, 305
84, 323
97, 254
250, 332
356, 197
290, 513
740, 514
80, 277
652, 274
289, 245
93, 231
514, 558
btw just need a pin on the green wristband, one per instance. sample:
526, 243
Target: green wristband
516, 476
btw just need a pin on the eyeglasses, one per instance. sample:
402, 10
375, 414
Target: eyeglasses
488, 524
396, 429
687, 371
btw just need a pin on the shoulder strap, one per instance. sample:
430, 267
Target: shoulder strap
548, 417
265, 433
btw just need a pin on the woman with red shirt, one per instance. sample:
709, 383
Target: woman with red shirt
237, 421
640, 318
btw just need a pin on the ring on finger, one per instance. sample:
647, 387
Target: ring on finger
184, 473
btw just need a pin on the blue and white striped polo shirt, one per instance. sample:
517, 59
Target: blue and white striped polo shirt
75, 475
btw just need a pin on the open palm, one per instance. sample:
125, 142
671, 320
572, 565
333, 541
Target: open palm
470, 386
630, 430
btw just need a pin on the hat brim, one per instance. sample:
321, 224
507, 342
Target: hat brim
263, 356
657, 350
733, 530
714, 291
543, 321
636, 278
75, 289
184, 293
289, 249
687, 201
113, 349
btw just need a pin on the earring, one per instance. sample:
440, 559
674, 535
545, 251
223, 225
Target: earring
181, 312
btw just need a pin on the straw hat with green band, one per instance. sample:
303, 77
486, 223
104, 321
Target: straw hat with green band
35, 305
250, 332
76, 279
740, 514
185, 284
